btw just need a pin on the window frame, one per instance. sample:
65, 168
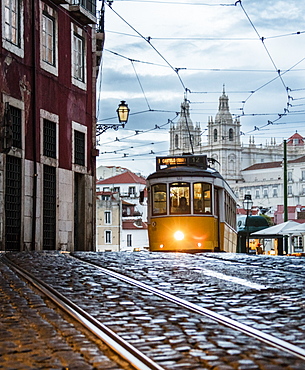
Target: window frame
7, 42
107, 218
78, 34
83, 129
108, 237
50, 13
184, 191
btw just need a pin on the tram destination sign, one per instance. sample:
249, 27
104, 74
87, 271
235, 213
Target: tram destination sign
182, 160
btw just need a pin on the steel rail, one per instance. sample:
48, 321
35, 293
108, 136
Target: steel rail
261, 336
125, 350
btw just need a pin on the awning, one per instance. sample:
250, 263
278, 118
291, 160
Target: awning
277, 231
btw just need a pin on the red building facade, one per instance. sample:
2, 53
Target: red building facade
47, 127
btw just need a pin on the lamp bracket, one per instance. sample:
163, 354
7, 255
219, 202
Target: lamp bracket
102, 127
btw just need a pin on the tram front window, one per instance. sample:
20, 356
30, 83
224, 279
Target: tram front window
159, 199
179, 198
202, 198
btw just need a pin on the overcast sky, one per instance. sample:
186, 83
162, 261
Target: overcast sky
158, 52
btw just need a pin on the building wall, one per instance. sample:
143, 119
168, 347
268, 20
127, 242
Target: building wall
49, 91
113, 206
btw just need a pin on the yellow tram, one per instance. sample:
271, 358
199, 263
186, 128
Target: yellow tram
191, 208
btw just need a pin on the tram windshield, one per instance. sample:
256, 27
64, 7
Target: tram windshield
202, 198
179, 198
159, 199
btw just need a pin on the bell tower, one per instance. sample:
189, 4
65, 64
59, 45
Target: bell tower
184, 137
224, 141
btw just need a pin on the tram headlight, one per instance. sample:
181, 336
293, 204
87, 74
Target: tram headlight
179, 235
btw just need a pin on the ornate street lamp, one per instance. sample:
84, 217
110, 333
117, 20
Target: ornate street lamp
247, 205
123, 114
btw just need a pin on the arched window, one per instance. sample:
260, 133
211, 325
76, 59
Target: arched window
231, 134
215, 134
176, 141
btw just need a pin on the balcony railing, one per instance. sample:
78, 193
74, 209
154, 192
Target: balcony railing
89, 5
85, 10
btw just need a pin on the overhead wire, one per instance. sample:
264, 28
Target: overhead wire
176, 70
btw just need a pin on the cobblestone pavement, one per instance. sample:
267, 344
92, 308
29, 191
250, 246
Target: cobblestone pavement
250, 289
33, 335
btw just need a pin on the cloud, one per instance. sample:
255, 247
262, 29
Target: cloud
213, 46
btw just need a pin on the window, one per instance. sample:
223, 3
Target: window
274, 192
176, 141
256, 193
108, 237
12, 21
179, 198
265, 192
289, 190
202, 198
49, 207
303, 189
215, 135
16, 126
230, 210
289, 176
49, 138
131, 190
13, 202
303, 175
48, 39
159, 199
129, 240
116, 189
79, 148
107, 217
105, 197
78, 58
231, 134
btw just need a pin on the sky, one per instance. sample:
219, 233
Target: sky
158, 53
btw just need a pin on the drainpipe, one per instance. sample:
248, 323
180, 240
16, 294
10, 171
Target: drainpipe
34, 137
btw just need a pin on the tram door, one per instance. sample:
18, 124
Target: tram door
217, 213
79, 211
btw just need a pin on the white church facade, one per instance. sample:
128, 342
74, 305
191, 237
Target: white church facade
249, 169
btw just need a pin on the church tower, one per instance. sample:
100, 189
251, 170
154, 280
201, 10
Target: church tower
224, 141
184, 137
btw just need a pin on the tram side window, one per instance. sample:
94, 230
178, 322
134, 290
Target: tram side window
202, 198
230, 210
179, 198
159, 199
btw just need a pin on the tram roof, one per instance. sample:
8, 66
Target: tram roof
185, 171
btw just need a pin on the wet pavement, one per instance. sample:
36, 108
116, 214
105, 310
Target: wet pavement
261, 291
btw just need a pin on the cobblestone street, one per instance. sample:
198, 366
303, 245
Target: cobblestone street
263, 292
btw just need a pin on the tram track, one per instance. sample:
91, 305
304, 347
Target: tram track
261, 336
133, 356
184, 305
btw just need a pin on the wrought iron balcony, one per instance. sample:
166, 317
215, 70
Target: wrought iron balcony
84, 10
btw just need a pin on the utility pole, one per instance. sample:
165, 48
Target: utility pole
285, 193
285, 182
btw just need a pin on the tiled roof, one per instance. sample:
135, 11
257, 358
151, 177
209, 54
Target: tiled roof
126, 177
265, 165
297, 136
131, 225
